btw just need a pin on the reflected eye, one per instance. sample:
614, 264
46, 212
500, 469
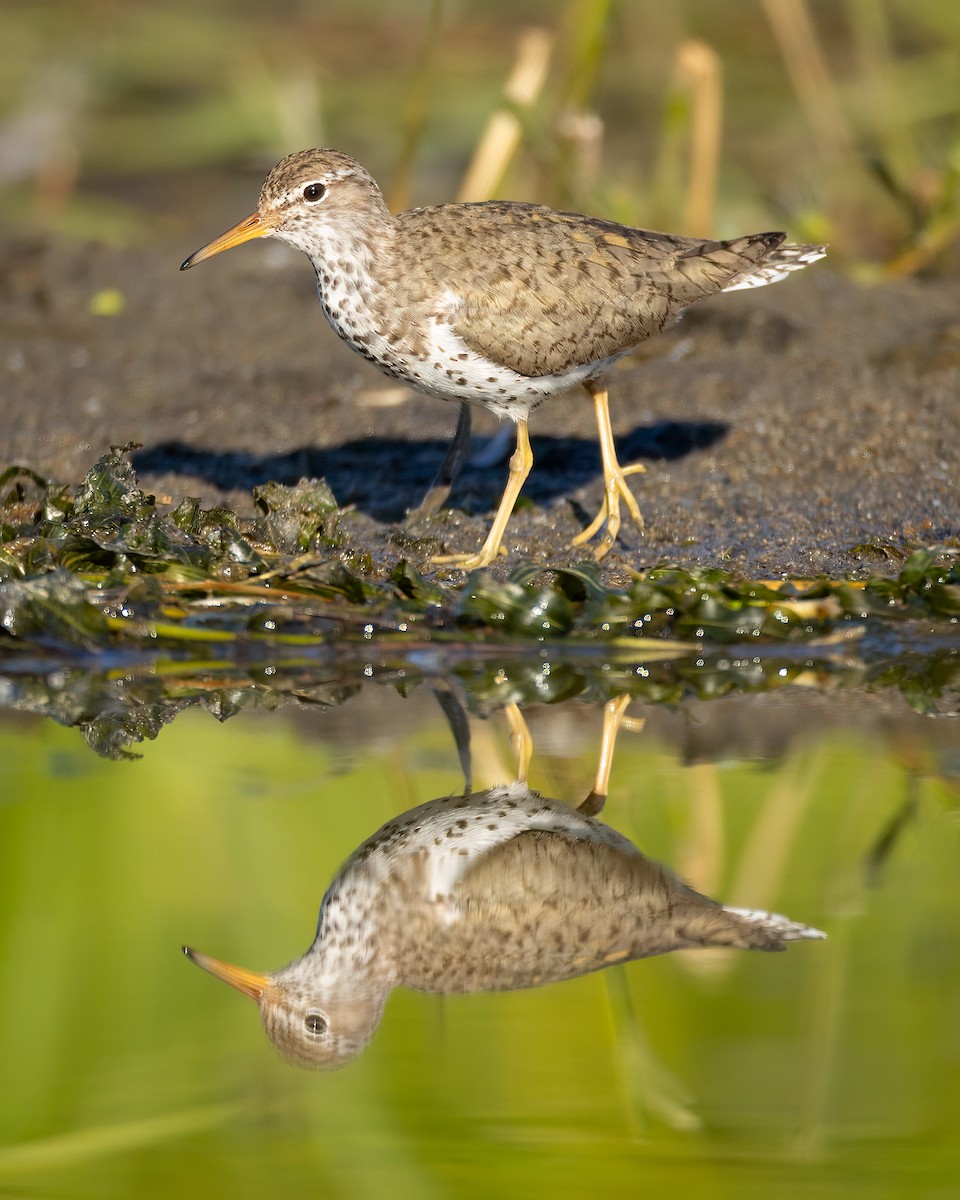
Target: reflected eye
316, 1023
314, 192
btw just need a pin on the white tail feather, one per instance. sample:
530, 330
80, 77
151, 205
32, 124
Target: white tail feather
790, 931
776, 266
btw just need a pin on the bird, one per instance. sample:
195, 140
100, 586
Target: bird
487, 891
496, 303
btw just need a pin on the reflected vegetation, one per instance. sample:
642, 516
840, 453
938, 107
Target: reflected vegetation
117, 701
485, 891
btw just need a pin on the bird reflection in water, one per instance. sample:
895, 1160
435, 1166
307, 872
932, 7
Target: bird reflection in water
486, 891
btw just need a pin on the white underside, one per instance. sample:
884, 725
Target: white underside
450, 370
452, 833
458, 373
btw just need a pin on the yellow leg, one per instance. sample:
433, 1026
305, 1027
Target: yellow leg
521, 740
614, 480
613, 718
520, 463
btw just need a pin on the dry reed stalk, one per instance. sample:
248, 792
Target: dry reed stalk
503, 132
698, 66
806, 65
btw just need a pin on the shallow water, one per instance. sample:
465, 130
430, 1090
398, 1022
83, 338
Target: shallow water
830, 1068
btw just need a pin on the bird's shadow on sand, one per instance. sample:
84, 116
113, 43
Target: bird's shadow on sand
385, 477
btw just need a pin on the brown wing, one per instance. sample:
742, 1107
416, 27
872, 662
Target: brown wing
547, 906
543, 291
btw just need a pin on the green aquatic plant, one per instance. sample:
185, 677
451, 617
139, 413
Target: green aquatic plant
118, 612
105, 564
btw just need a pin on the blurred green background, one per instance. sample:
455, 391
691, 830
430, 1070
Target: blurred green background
829, 1070
835, 118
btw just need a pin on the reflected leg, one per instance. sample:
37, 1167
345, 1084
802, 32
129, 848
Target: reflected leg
520, 739
614, 715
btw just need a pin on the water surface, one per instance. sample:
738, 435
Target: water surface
717, 1073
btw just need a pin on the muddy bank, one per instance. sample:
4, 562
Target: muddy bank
808, 427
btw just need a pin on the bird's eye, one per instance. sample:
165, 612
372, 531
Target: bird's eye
316, 1023
314, 192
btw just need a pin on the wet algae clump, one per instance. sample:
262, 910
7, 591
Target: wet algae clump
118, 612
106, 564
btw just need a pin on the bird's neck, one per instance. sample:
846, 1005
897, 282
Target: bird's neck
364, 242
350, 927
355, 270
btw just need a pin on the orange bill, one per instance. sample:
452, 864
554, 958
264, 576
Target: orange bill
253, 226
248, 982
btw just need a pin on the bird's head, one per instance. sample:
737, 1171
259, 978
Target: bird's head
308, 198
314, 1027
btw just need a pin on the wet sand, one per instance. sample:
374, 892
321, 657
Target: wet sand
804, 428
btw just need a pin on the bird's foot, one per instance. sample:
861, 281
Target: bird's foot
615, 489
469, 562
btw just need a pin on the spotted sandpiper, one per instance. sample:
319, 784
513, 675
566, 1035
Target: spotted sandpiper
497, 304
488, 891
